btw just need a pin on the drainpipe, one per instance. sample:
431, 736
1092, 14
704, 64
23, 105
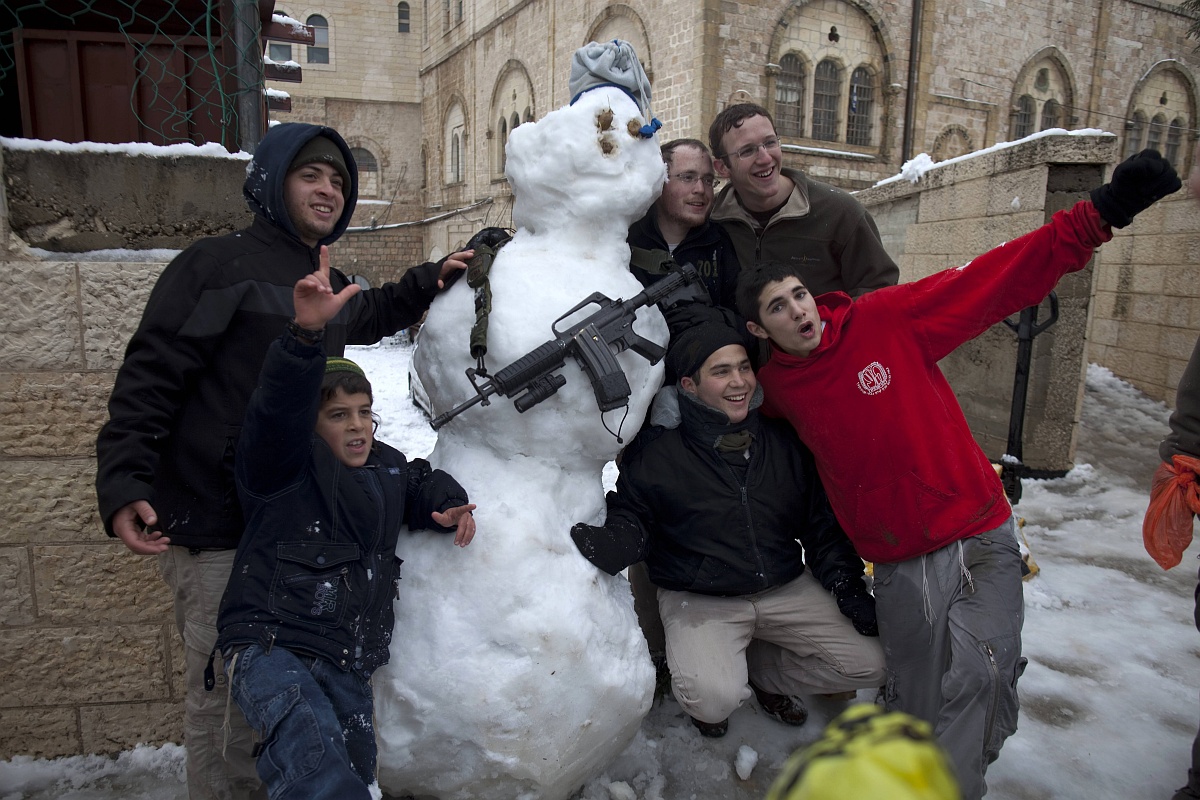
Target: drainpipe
910, 95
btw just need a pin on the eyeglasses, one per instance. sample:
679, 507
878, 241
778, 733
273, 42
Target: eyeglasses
751, 150
691, 177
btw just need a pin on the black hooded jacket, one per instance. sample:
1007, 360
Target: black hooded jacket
704, 526
176, 408
316, 571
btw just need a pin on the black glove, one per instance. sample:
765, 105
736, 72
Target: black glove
857, 605
1137, 183
612, 546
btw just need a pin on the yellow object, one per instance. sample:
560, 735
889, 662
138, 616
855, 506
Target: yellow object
869, 753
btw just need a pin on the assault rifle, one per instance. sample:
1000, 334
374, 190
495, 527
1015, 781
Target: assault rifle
593, 342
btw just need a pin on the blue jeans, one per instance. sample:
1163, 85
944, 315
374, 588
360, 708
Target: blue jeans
314, 722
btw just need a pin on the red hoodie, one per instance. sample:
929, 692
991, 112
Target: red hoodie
903, 473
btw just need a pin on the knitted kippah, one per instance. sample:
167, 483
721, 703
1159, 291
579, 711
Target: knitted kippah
338, 364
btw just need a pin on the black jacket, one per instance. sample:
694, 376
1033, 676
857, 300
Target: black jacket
701, 527
316, 570
708, 248
177, 405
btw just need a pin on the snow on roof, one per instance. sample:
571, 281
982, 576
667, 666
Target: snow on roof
212, 149
914, 169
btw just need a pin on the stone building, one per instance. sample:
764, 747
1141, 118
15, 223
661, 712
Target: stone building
428, 91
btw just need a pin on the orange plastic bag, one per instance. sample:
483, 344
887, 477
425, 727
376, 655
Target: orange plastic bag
1174, 499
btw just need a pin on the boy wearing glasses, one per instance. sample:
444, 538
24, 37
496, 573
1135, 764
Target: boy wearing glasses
775, 213
678, 224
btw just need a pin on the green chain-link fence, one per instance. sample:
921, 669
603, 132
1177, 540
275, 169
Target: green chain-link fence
163, 71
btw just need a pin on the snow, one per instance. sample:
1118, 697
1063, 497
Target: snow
915, 168
1109, 700
210, 149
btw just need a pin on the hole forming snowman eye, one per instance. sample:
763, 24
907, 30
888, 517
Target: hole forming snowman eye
635, 128
604, 120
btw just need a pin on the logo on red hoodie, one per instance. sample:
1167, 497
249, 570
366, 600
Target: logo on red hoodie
874, 378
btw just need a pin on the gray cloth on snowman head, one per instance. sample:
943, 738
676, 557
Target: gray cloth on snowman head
613, 64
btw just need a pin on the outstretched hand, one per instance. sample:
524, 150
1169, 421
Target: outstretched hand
460, 518
314, 299
1137, 183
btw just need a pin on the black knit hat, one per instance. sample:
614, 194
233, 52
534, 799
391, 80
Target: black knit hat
690, 348
323, 150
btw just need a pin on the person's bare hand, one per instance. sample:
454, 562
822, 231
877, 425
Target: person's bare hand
135, 524
313, 297
453, 263
460, 518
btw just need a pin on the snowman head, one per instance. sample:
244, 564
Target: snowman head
585, 167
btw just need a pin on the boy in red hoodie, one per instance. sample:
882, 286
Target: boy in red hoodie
860, 383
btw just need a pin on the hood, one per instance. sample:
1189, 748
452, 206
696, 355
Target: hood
708, 424
266, 172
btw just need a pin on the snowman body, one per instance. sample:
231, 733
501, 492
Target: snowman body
518, 669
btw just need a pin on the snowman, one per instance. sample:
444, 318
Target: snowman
518, 670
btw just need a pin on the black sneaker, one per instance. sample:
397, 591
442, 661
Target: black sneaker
713, 730
788, 709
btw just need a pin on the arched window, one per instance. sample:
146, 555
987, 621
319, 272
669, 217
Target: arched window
1023, 121
1137, 130
402, 18
455, 158
1051, 115
862, 104
528, 115
1158, 127
1174, 137
516, 120
827, 91
368, 172
318, 53
789, 96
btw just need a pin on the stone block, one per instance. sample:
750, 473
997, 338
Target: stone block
39, 732
960, 201
57, 666
55, 414
48, 501
1013, 192
113, 728
113, 296
16, 599
98, 584
40, 325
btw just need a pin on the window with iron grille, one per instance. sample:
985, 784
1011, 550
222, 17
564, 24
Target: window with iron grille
1023, 121
1137, 130
1154, 137
1174, 137
827, 90
1051, 115
861, 108
402, 18
319, 52
789, 96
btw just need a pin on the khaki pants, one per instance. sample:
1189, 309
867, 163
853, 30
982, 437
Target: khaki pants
788, 640
198, 582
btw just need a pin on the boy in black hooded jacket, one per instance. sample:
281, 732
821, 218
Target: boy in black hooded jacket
307, 616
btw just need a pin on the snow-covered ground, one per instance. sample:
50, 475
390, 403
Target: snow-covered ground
1109, 701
